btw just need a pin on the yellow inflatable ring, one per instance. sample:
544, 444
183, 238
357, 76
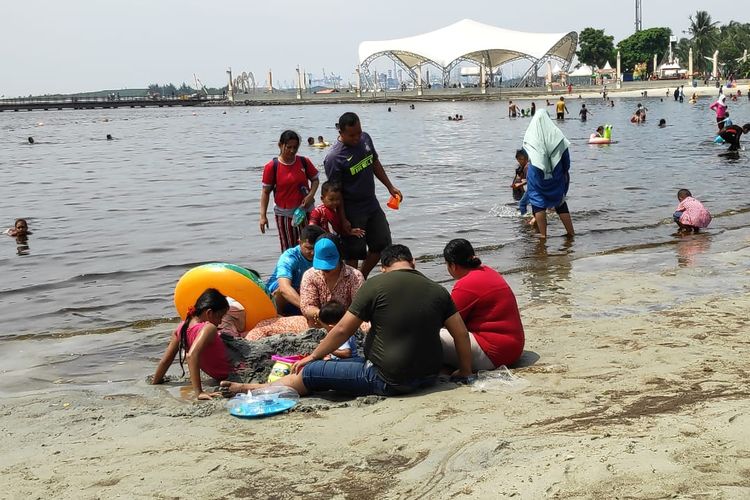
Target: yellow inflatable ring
232, 281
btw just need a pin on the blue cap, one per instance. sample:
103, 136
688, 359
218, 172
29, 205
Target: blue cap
326, 255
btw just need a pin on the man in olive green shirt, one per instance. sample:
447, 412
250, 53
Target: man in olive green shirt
403, 351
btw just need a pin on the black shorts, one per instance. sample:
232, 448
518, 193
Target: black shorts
561, 116
561, 209
377, 235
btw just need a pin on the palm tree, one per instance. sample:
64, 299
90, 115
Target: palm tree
705, 37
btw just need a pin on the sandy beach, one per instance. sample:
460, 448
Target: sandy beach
617, 404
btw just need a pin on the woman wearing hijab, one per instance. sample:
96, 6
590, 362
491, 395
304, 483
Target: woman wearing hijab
720, 107
548, 178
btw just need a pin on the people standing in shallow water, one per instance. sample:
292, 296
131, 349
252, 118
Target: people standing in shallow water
513, 109
584, 113
690, 214
548, 176
732, 133
354, 164
720, 108
561, 108
488, 308
293, 180
519, 181
533, 109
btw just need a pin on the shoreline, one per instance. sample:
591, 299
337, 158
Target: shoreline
606, 406
651, 403
628, 90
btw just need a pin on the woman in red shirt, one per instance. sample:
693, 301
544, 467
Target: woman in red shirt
293, 180
487, 306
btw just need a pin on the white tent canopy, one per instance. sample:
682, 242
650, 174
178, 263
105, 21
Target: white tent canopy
472, 41
583, 70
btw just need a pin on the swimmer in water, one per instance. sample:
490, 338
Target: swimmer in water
31, 140
662, 123
20, 229
599, 133
109, 137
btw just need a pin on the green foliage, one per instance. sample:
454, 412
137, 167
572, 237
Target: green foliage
743, 69
595, 48
730, 40
682, 51
734, 38
640, 47
704, 39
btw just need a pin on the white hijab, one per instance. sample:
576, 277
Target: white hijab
544, 143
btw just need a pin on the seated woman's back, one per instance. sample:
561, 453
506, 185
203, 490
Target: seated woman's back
489, 310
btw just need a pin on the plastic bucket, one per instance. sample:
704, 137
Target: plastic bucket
282, 367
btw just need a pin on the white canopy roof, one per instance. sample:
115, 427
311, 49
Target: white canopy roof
607, 66
474, 41
583, 70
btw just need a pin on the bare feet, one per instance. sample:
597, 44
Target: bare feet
229, 389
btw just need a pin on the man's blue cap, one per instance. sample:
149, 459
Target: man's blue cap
326, 255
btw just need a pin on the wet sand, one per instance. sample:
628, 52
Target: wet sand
640, 395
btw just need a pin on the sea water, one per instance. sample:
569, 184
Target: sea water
116, 223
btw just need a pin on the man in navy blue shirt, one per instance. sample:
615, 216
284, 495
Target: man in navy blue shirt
353, 163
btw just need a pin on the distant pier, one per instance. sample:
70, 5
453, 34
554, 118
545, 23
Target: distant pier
60, 103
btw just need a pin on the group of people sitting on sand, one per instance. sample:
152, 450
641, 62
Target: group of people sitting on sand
413, 328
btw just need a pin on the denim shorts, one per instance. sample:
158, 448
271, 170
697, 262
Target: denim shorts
357, 377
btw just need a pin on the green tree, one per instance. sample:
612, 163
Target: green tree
682, 51
641, 46
704, 37
734, 38
595, 48
743, 69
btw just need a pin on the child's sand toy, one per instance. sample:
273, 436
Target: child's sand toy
282, 367
263, 402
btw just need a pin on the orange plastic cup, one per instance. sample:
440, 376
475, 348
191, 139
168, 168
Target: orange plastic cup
394, 202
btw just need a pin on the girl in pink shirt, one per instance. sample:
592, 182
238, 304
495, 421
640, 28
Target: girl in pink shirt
720, 107
197, 338
690, 214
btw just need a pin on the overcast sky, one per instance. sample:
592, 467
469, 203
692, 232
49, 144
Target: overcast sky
50, 46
